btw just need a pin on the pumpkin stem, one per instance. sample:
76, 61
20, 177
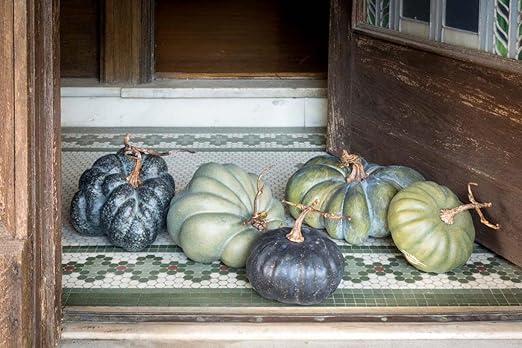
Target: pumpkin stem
357, 173
134, 177
135, 153
259, 219
295, 234
448, 215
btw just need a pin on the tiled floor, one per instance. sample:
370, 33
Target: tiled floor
95, 273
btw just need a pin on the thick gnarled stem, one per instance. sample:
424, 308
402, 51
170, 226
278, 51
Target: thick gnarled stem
448, 215
354, 161
135, 153
134, 176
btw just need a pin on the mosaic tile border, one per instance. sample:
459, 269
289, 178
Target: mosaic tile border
249, 298
216, 140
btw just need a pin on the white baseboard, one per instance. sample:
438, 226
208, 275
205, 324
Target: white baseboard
197, 104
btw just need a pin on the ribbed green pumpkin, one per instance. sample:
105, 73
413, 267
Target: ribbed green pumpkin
210, 219
352, 187
427, 242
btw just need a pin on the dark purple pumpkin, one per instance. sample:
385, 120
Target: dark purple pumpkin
298, 265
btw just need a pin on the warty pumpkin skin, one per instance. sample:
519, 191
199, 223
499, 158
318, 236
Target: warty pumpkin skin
348, 186
427, 242
303, 270
108, 204
210, 219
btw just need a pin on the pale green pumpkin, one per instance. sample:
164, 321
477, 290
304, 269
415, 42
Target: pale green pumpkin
212, 219
348, 186
431, 227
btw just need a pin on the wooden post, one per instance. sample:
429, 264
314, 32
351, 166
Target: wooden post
339, 76
30, 226
127, 41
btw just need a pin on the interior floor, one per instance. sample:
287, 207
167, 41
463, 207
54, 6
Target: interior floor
376, 274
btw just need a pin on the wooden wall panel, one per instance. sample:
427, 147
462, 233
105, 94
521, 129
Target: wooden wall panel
454, 121
235, 37
80, 38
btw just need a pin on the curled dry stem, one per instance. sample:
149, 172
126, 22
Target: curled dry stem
259, 219
136, 153
295, 234
448, 215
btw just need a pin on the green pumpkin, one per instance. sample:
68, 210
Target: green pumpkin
418, 230
215, 218
352, 187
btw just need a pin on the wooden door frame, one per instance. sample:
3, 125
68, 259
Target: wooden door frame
30, 200
464, 127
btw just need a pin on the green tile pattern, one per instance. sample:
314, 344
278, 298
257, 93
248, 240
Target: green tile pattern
249, 298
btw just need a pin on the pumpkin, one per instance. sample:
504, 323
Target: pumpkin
295, 266
352, 187
432, 228
124, 196
220, 214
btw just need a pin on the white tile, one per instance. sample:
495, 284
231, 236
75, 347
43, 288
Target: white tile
315, 112
90, 91
200, 112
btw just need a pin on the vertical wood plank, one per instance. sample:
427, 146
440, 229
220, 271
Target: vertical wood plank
339, 76
7, 109
30, 228
127, 41
47, 233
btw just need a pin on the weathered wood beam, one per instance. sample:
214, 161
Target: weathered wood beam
127, 41
339, 76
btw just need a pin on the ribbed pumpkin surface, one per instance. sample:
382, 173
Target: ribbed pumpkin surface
296, 273
366, 201
207, 219
427, 242
106, 204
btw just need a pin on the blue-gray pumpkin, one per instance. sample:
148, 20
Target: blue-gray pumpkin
348, 186
295, 266
223, 210
124, 196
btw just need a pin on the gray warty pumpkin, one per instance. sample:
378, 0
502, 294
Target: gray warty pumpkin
348, 186
221, 212
124, 196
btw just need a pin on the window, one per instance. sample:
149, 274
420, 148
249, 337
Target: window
489, 25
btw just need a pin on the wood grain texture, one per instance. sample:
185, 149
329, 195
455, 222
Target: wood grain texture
80, 38
339, 76
454, 121
30, 282
46, 236
127, 41
7, 113
15, 296
241, 36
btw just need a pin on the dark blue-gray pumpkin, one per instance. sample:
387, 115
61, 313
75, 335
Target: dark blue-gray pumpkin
300, 265
124, 196
352, 187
